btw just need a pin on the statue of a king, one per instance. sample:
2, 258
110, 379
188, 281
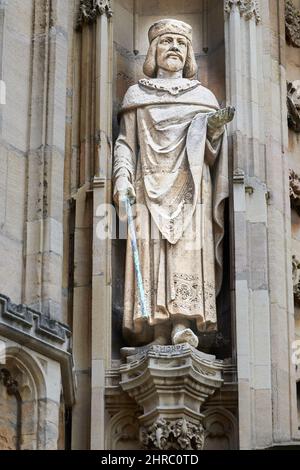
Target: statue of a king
171, 163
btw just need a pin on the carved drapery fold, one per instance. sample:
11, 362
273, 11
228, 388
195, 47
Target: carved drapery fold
292, 24
248, 8
90, 9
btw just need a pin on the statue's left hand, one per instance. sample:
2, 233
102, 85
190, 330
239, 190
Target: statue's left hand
221, 117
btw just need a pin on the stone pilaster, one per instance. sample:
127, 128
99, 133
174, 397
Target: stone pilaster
95, 27
244, 58
256, 85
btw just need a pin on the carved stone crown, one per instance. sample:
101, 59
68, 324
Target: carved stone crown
169, 26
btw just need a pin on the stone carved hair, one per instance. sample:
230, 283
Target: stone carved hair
150, 65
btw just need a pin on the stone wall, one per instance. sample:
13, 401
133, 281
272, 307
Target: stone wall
293, 149
15, 70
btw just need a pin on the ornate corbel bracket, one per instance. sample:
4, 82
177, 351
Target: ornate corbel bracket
292, 24
171, 384
248, 8
90, 9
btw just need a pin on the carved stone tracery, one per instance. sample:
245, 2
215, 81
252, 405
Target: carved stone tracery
90, 9
292, 24
248, 8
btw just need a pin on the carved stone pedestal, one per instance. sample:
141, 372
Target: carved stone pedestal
170, 384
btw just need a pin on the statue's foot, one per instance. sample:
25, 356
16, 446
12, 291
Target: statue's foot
185, 336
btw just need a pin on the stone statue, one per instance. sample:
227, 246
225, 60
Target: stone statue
171, 162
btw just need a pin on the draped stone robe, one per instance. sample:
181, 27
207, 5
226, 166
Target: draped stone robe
181, 182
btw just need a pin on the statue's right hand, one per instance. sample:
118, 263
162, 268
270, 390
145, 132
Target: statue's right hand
123, 191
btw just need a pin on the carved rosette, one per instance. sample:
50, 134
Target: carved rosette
175, 435
248, 8
292, 24
90, 9
171, 384
293, 104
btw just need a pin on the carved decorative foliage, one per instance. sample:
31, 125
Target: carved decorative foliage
293, 104
90, 9
296, 279
295, 190
248, 8
292, 24
173, 435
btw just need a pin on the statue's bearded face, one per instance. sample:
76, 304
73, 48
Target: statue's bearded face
172, 52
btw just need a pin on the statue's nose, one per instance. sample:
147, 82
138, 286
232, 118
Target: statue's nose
174, 49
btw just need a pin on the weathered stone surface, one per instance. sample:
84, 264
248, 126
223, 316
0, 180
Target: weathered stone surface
64, 86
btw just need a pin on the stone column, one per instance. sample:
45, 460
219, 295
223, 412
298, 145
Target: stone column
101, 282
245, 88
96, 157
256, 85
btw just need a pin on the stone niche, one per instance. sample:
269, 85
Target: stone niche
169, 397
132, 20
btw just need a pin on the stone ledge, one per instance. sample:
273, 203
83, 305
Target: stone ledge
30, 319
